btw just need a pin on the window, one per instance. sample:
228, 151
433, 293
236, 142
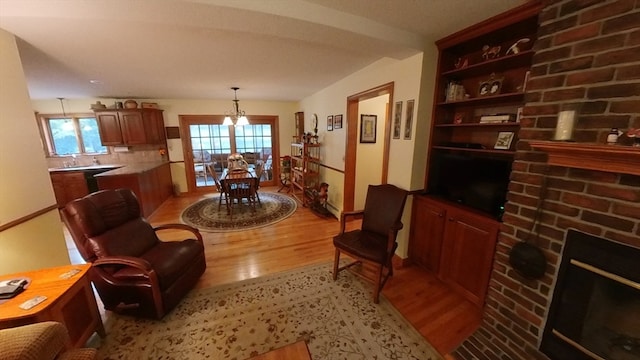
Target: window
71, 134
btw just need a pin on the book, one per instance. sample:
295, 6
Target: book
499, 118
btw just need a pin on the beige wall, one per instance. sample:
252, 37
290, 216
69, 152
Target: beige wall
369, 155
25, 187
407, 158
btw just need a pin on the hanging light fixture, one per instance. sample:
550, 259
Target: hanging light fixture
235, 117
64, 113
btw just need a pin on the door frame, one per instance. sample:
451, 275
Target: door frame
185, 134
352, 140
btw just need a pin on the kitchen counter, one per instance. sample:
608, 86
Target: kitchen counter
135, 168
150, 181
85, 168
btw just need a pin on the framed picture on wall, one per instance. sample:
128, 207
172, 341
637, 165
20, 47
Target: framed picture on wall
409, 122
368, 125
337, 121
330, 123
397, 120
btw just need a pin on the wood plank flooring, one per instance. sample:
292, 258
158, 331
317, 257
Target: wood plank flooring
443, 317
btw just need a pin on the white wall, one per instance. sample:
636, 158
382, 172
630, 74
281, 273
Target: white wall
25, 187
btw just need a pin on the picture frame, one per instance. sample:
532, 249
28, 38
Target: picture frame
330, 123
368, 124
504, 139
397, 120
337, 122
490, 87
408, 125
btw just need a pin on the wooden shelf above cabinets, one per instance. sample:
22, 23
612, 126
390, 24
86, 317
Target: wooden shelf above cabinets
609, 158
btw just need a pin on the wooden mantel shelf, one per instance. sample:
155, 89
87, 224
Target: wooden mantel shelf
611, 158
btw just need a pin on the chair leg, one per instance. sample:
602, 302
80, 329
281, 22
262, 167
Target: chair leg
378, 286
336, 261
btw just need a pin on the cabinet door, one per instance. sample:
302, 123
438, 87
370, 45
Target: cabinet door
133, 127
427, 230
68, 186
468, 251
109, 128
155, 126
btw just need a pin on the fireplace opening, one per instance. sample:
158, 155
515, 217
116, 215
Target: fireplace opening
595, 310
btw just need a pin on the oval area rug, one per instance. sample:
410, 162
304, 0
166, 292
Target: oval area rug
205, 216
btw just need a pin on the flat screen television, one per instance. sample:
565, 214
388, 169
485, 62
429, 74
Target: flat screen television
477, 182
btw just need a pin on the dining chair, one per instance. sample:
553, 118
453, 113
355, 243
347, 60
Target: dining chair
216, 181
238, 188
375, 242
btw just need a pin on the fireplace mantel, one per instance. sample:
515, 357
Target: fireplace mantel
611, 158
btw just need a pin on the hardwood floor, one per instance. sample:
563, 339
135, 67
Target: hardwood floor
443, 317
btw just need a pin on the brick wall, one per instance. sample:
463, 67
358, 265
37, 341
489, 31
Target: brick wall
588, 56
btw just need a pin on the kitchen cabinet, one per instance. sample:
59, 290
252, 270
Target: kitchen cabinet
151, 183
130, 126
455, 242
68, 185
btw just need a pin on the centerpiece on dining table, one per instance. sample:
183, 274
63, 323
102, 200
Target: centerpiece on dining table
236, 161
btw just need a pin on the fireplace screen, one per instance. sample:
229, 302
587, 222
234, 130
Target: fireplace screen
595, 312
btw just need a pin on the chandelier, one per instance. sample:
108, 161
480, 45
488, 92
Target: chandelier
236, 116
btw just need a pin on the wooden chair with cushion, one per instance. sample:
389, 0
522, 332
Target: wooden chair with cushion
239, 187
134, 272
216, 180
375, 242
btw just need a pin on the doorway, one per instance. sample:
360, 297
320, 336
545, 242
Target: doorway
352, 140
207, 144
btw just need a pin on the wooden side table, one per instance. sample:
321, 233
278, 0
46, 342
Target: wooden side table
69, 301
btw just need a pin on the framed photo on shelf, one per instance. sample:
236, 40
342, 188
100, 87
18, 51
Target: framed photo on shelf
368, 125
397, 120
409, 121
330, 123
503, 142
490, 87
337, 121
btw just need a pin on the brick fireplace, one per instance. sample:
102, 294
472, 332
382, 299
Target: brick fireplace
587, 56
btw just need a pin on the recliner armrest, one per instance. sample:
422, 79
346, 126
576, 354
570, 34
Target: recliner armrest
178, 226
124, 260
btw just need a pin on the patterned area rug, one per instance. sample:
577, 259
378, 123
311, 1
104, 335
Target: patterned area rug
244, 319
205, 216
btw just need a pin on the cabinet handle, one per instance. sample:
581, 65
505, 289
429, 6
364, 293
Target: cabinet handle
440, 215
451, 219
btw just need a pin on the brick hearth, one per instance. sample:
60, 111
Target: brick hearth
587, 54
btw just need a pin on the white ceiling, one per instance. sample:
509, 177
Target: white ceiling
198, 49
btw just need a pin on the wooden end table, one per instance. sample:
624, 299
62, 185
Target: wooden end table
295, 351
69, 301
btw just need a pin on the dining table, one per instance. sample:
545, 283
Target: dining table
243, 173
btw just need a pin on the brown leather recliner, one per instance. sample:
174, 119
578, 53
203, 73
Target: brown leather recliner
134, 272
